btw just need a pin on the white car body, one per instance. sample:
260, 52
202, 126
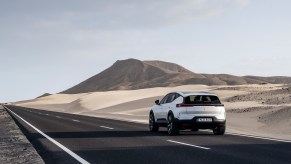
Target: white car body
189, 110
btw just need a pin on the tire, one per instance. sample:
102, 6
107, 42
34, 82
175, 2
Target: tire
172, 126
154, 127
220, 130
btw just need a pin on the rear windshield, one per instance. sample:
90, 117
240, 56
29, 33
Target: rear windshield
203, 99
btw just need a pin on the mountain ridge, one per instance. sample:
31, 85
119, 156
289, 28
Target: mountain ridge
132, 74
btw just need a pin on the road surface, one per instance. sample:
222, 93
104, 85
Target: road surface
66, 138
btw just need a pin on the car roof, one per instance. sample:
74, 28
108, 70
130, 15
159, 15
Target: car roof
191, 93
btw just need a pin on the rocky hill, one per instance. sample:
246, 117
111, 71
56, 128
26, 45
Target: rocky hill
135, 74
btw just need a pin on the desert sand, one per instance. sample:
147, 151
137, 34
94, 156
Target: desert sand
260, 110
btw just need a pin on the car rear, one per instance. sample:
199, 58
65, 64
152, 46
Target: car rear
203, 111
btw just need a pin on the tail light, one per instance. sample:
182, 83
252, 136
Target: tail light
190, 105
182, 105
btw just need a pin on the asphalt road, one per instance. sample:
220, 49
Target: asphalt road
97, 140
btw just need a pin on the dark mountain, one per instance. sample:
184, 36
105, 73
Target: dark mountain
134, 74
44, 95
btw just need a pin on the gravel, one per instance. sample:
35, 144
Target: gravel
14, 146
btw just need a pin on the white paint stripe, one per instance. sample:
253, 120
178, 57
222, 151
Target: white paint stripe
264, 138
58, 117
243, 135
78, 158
181, 143
117, 119
47, 114
106, 127
76, 120
250, 136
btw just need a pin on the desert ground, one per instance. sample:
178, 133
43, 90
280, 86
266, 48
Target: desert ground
261, 110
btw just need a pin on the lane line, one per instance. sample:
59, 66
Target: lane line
74, 155
123, 120
106, 127
181, 143
58, 117
236, 134
47, 114
76, 120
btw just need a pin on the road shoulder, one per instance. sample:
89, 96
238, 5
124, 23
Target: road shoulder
14, 146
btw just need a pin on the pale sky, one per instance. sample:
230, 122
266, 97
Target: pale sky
49, 46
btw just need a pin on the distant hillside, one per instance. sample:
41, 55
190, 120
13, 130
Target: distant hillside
135, 74
44, 95
274, 79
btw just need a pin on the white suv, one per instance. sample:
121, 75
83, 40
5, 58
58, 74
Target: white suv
188, 110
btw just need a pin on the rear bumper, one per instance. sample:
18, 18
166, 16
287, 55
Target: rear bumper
190, 124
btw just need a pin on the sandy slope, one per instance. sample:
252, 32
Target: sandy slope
76, 103
263, 110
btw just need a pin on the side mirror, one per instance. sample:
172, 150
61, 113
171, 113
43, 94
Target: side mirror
157, 102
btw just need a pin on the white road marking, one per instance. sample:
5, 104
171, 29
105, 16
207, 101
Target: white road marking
47, 114
58, 117
243, 135
124, 120
264, 138
39, 113
78, 158
181, 143
106, 127
76, 120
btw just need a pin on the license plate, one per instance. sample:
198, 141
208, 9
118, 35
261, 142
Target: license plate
204, 120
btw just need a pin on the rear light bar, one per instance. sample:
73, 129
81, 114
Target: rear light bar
190, 105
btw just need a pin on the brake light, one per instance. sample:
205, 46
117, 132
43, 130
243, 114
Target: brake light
182, 105
191, 105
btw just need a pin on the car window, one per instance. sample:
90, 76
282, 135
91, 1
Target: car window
204, 99
170, 98
164, 99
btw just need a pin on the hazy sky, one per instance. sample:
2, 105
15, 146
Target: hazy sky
49, 46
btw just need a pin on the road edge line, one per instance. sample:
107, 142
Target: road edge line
258, 137
146, 123
74, 155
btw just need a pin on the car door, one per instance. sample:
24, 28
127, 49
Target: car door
159, 108
167, 105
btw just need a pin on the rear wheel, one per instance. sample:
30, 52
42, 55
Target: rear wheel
154, 127
172, 126
220, 130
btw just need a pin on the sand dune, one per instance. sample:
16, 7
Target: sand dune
99, 100
246, 114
